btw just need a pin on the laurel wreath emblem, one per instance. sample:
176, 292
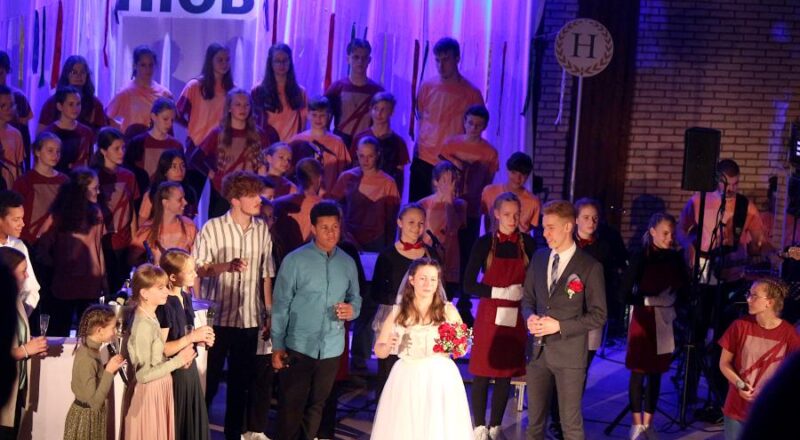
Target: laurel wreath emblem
596, 67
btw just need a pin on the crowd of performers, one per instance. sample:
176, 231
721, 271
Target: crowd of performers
101, 189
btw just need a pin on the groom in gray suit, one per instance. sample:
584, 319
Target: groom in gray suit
564, 298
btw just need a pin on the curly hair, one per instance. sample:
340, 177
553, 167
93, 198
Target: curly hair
71, 209
409, 315
240, 184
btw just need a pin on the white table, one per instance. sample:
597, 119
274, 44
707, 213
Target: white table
51, 392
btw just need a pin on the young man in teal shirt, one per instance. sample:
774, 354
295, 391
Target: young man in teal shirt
315, 292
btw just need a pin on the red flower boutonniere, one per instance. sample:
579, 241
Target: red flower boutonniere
574, 285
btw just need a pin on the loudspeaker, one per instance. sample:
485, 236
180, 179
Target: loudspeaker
700, 157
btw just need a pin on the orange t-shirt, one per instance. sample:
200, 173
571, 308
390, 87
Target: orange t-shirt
441, 106
478, 163
371, 204
288, 122
531, 206
13, 154
292, 225
445, 221
180, 234
203, 114
38, 191
132, 105
334, 161
236, 156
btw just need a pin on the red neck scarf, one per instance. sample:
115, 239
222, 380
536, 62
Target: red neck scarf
410, 246
511, 238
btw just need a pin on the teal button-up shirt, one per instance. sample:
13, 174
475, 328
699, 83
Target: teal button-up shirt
310, 282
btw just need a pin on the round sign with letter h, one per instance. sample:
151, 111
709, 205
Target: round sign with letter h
584, 47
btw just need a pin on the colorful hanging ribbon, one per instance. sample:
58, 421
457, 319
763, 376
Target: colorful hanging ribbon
44, 44
329, 62
275, 22
488, 73
21, 69
35, 51
502, 87
365, 32
353, 32
528, 95
55, 69
105, 34
383, 59
414, 90
424, 61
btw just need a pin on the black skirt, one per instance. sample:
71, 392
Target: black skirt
191, 416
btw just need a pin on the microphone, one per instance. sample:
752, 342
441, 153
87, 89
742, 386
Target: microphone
113, 352
434, 240
149, 252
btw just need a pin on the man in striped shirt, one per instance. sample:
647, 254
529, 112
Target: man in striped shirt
233, 254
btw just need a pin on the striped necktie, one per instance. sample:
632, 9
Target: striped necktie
554, 275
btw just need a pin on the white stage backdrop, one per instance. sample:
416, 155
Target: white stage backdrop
180, 30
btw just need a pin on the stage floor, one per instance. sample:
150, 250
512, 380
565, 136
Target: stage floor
606, 395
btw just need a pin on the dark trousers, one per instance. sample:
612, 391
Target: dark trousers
419, 184
11, 432
555, 418
117, 267
305, 386
327, 423
238, 346
541, 377
259, 399
62, 312
480, 394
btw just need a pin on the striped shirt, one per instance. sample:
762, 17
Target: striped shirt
237, 294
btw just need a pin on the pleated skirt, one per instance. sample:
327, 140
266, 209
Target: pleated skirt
151, 414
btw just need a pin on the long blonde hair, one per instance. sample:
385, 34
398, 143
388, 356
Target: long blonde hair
409, 314
225, 138
173, 260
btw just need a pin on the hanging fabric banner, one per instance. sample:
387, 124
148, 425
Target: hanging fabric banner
502, 87
44, 44
413, 116
21, 69
55, 68
329, 61
275, 23
105, 34
35, 50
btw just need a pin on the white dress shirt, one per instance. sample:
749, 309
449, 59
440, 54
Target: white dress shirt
563, 260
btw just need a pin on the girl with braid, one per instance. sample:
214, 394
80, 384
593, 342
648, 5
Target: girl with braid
91, 381
498, 351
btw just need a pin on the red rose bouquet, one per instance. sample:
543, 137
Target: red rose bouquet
454, 339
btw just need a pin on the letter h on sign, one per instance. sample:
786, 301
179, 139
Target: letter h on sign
578, 44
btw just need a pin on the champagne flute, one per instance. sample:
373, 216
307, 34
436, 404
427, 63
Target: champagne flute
44, 322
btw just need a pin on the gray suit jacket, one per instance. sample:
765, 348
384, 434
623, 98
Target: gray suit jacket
576, 316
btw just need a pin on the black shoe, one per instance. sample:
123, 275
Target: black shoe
555, 431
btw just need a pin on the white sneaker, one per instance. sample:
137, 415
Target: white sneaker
496, 433
481, 433
637, 432
250, 435
650, 432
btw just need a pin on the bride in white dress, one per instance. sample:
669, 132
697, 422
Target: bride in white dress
424, 397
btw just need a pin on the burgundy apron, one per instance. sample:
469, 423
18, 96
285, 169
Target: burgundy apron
499, 351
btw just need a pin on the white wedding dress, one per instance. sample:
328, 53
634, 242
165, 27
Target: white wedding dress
424, 397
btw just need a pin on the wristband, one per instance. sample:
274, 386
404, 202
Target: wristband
27, 356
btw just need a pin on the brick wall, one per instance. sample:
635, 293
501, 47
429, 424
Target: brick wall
732, 65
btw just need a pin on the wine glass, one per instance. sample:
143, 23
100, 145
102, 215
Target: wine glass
337, 322
44, 322
210, 313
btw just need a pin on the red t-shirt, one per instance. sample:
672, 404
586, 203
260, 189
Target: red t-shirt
393, 150
119, 190
39, 192
76, 146
351, 104
236, 157
95, 120
335, 159
757, 353
478, 162
371, 204
145, 151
